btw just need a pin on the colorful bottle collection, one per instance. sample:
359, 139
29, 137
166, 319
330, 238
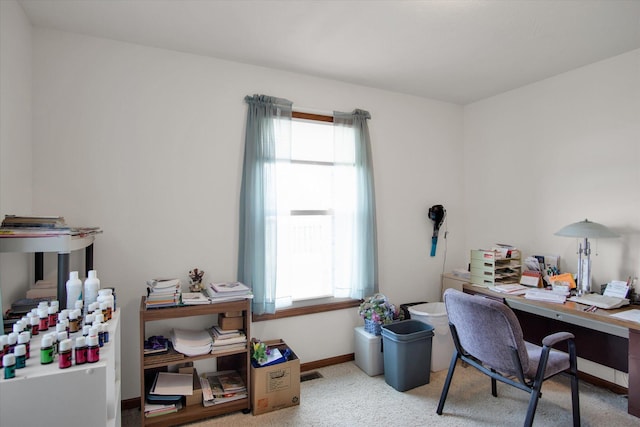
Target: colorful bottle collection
55, 328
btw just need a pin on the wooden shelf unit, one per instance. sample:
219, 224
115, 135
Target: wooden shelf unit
238, 360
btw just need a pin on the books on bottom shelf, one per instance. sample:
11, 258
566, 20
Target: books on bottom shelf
157, 402
156, 409
221, 387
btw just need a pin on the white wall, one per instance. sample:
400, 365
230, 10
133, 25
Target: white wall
15, 140
556, 152
148, 144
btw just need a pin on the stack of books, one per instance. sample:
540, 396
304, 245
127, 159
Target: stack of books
195, 298
163, 293
191, 343
227, 340
41, 226
16, 221
156, 409
228, 291
220, 387
165, 394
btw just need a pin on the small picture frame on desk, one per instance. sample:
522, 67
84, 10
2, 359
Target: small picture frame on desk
531, 278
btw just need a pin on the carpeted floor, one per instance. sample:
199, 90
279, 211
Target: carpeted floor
346, 396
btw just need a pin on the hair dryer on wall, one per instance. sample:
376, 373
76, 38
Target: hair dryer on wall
436, 214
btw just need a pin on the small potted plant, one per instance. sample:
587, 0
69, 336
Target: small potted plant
377, 311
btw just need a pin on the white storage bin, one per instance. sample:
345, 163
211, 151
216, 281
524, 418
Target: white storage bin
368, 353
435, 314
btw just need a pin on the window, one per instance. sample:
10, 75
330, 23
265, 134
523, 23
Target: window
307, 207
312, 187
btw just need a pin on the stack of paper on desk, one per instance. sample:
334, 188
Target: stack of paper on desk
545, 295
600, 301
511, 289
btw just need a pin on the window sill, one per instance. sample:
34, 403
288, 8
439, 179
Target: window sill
309, 307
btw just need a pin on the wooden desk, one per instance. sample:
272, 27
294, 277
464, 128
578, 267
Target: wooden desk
599, 337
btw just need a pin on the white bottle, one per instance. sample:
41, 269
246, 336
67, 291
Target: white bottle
91, 288
74, 289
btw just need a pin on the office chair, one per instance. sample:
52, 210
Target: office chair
487, 336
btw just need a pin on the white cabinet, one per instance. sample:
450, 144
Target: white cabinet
450, 280
86, 395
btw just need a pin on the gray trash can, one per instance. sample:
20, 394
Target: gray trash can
407, 354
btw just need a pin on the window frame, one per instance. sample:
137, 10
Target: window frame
315, 305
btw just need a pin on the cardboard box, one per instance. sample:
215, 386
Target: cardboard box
196, 397
232, 314
277, 386
230, 323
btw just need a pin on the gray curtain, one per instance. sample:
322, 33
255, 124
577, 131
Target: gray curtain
352, 128
258, 208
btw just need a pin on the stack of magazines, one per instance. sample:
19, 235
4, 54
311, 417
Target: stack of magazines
222, 386
163, 293
228, 291
191, 343
227, 340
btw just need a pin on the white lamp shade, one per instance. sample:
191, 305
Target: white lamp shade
586, 229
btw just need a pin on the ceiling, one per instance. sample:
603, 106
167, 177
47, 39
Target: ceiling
452, 50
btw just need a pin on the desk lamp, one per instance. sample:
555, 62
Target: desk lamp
585, 230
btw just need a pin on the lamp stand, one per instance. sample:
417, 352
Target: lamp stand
584, 268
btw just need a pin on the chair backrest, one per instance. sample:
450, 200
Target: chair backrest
488, 330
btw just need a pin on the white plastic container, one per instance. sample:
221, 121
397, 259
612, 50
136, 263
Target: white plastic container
368, 352
74, 289
91, 288
435, 314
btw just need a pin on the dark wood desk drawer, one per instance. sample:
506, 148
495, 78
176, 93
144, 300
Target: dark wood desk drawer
599, 347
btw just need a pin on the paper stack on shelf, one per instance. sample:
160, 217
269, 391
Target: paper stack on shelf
505, 251
194, 298
16, 221
170, 383
228, 291
163, 293
41, 226
191, 343
227, 340
220, 387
